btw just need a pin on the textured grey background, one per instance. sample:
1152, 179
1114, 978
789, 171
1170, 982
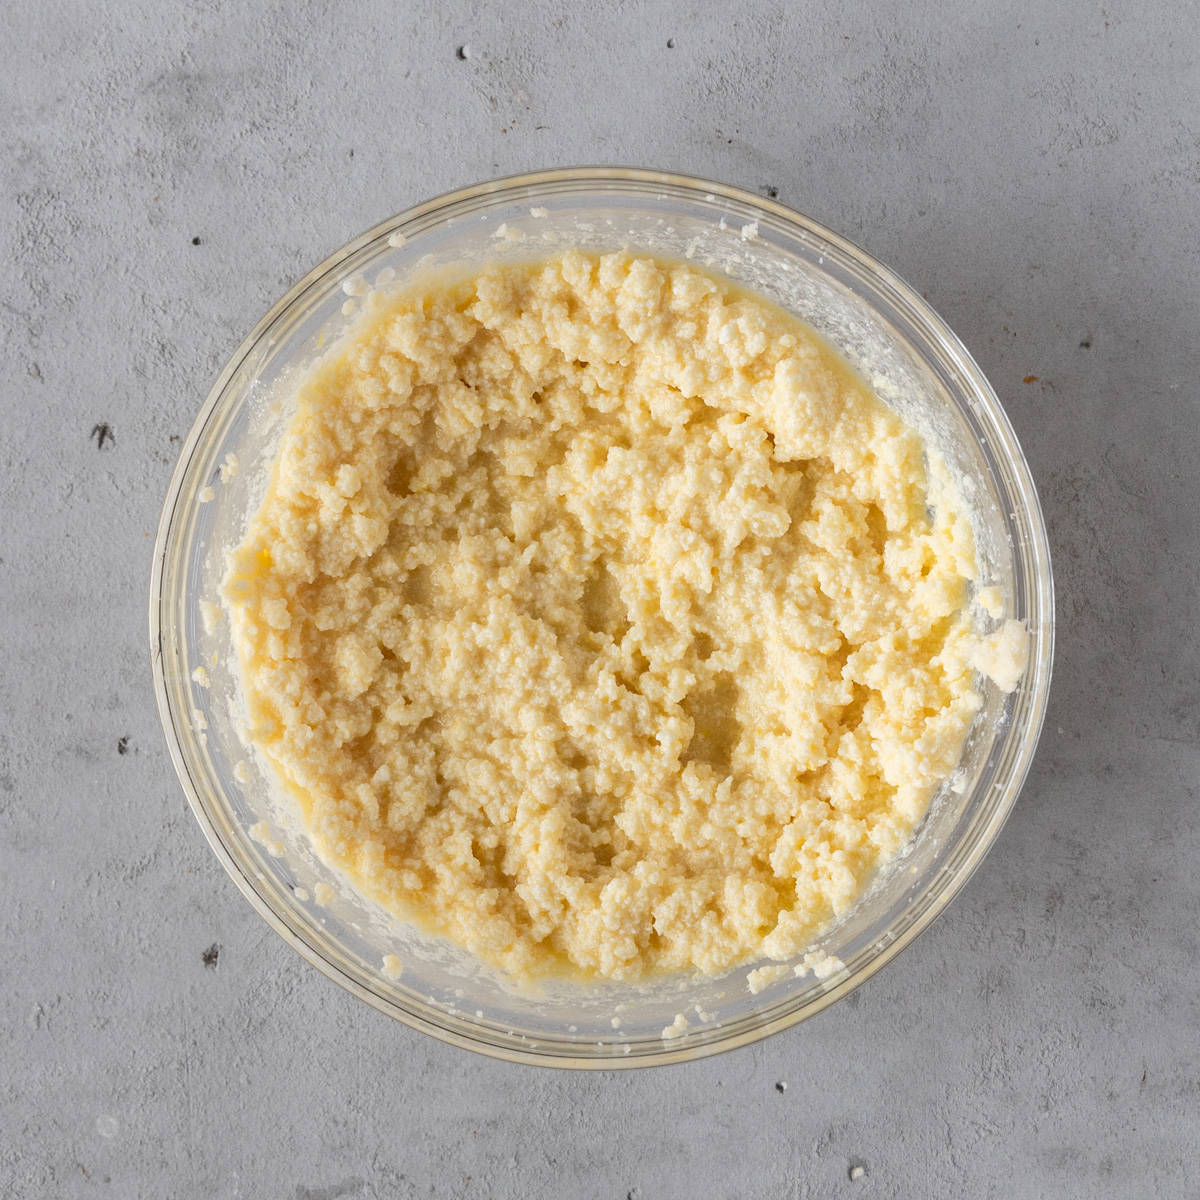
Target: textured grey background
1038, 179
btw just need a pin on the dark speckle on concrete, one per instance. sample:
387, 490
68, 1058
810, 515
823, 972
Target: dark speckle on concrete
102, 435
123, 745
211, 955
196, 240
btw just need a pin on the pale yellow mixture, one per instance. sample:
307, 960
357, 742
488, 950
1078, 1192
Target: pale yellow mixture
598, 617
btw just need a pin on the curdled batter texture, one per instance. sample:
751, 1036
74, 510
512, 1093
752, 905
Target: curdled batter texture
603, 621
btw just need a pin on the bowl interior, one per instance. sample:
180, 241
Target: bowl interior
885, 331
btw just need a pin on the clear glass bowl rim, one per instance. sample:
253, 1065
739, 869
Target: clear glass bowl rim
1031, 551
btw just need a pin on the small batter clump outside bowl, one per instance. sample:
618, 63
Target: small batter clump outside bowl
599, 618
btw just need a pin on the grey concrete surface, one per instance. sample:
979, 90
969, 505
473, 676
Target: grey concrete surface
169, 169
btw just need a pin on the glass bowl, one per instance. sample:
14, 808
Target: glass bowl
898, 344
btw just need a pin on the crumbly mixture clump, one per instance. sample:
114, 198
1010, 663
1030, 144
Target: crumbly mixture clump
602, 620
